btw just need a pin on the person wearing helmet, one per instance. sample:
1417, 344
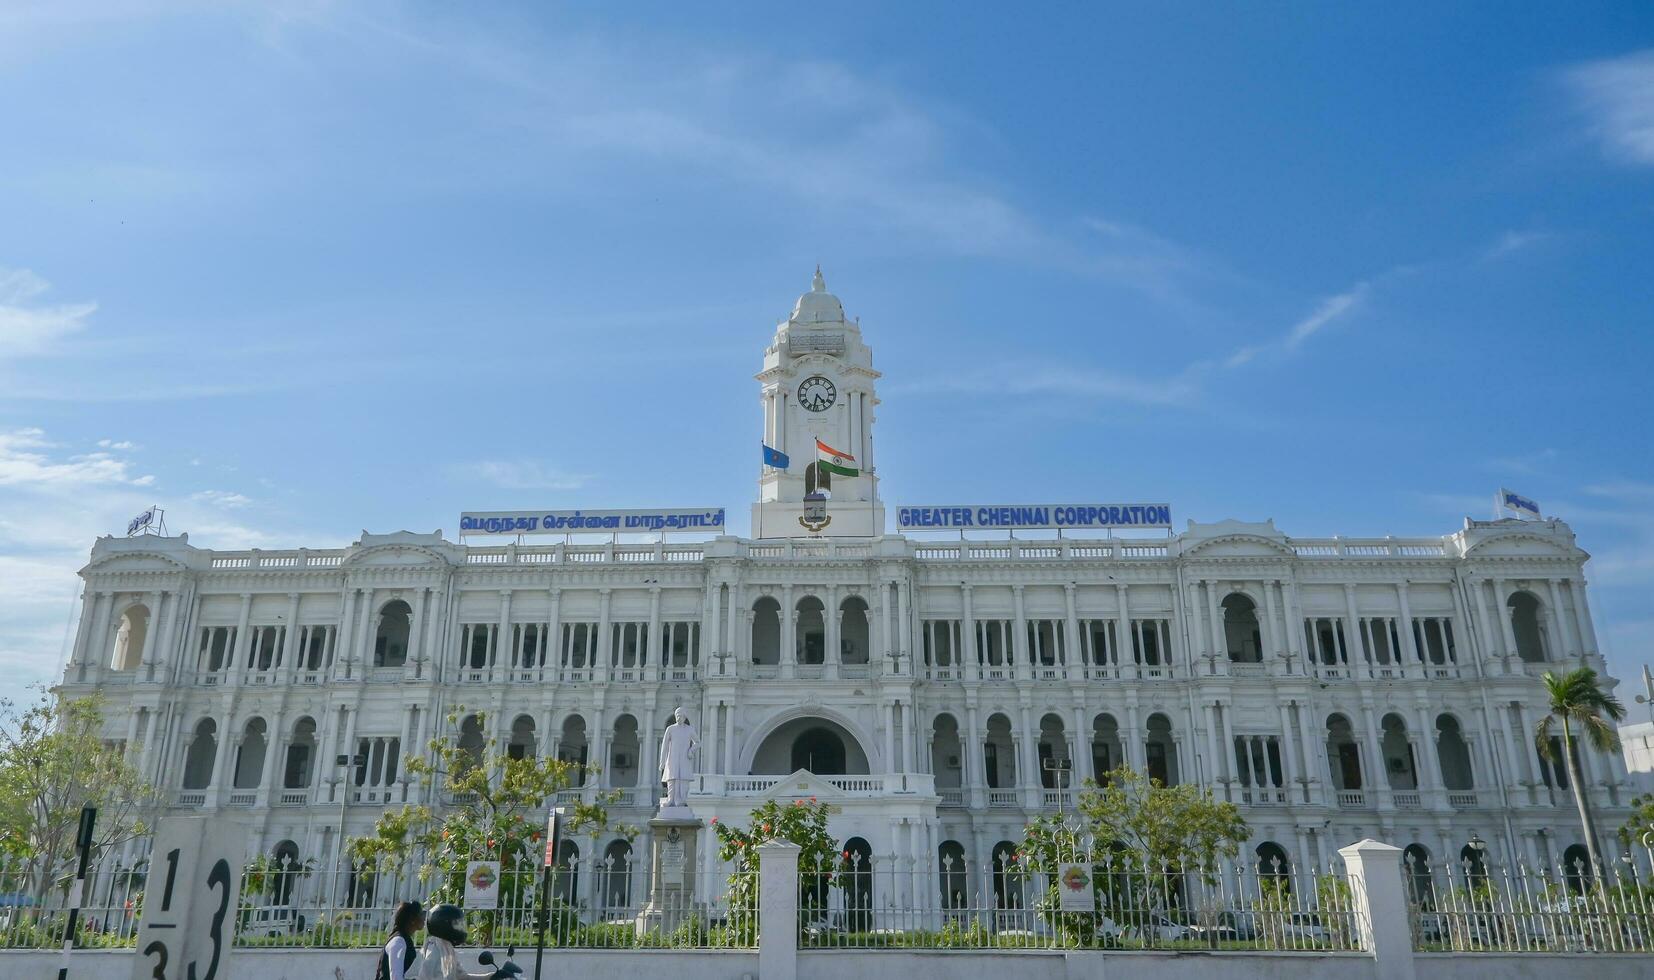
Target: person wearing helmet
439, 960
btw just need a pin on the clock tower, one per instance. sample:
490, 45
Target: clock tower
818, 391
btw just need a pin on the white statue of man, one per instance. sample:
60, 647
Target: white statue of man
677, 744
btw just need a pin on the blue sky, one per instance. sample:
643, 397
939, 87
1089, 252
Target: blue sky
293, 271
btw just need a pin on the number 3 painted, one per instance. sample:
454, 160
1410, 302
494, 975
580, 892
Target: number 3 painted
158, 950
219, 876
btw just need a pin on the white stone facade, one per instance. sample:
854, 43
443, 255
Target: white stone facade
1336, 689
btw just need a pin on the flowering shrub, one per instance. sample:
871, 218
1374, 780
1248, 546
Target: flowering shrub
802, 822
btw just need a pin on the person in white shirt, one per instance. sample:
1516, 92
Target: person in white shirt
400, 951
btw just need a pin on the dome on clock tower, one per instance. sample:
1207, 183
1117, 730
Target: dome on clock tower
817, 305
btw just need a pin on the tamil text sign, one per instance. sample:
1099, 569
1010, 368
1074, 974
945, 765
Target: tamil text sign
578, 521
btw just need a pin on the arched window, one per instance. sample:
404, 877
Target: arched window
1106, 752
1525, 624
852, 633
1453, 754
249, 757
811, 633
1273, 863
1399, 766
471, 740
820, 751
1343, 754
1007, 882
998, 754
198, 761
288, 872
299, 766
1576, 868
1473, 864
858, 885
955, 883
947, 753
766, 631
1055, 768
817, 480
566, 888
1415, 868
571, 747
390, 641
522, 738
623, 752
1240, 629
1161, 749
129, 638
617, 875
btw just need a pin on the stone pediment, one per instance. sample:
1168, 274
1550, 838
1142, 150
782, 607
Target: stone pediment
803, 784
1235, 539
402, 548
1517, 544
135, 561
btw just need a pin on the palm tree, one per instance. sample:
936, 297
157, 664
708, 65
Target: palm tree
1574, 696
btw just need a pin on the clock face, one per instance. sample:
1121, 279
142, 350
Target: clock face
817, 394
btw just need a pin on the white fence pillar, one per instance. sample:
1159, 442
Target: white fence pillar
778, 910
1379, 897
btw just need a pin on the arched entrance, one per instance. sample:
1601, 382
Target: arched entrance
811, 743
858, 885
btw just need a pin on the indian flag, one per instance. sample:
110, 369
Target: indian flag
835, 462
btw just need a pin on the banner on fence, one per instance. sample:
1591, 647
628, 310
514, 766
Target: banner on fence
482, 885
1075, 889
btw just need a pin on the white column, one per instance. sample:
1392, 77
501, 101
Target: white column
1294, 620
1271, 633
1289, 749
904, 623
1312, 757
1359, 654
1019, 636
654, 651
243, 640
729, 738
1426, 743
1071, 637
967, 636
830, 630
1214, 623
499, 664
152, 601
1558, 623
778, 897
604, 645
1582, 614
290, 640
889, 736
91, 604
1412, 658
1125, 658
416, 636
1228, 755
1379, 897
342, 637
904, 711
1500, 590
1214, 764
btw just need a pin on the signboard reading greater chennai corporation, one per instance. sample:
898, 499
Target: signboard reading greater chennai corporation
1012, 517
576, 521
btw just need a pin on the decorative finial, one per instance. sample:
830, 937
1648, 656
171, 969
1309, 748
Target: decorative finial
818, 284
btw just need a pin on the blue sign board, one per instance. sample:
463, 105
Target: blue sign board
587, 521
1012, 517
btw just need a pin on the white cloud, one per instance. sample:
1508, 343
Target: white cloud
520, 475
25, 462
1513, 241
1331, 309
1617, 97
123, 445
221, 498
28, 327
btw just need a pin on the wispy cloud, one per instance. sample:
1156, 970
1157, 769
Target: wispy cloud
1617, 97
221, 498
1525, 464
1331, 309
520, 475
1513, 241
25, 462
28, 327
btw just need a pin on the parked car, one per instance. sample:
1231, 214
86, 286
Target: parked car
1305, 928
1159, 929
274, 920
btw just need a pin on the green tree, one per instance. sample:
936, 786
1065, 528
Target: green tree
1575, 697
54, 760
803, 822
493, 809
1638, 830
1139, 836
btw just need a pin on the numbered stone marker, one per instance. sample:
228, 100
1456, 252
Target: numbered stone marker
188, 926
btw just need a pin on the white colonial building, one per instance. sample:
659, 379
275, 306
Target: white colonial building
936, 691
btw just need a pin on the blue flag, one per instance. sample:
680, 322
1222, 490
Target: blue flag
775, 458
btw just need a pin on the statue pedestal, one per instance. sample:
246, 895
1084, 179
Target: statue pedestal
675, 832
